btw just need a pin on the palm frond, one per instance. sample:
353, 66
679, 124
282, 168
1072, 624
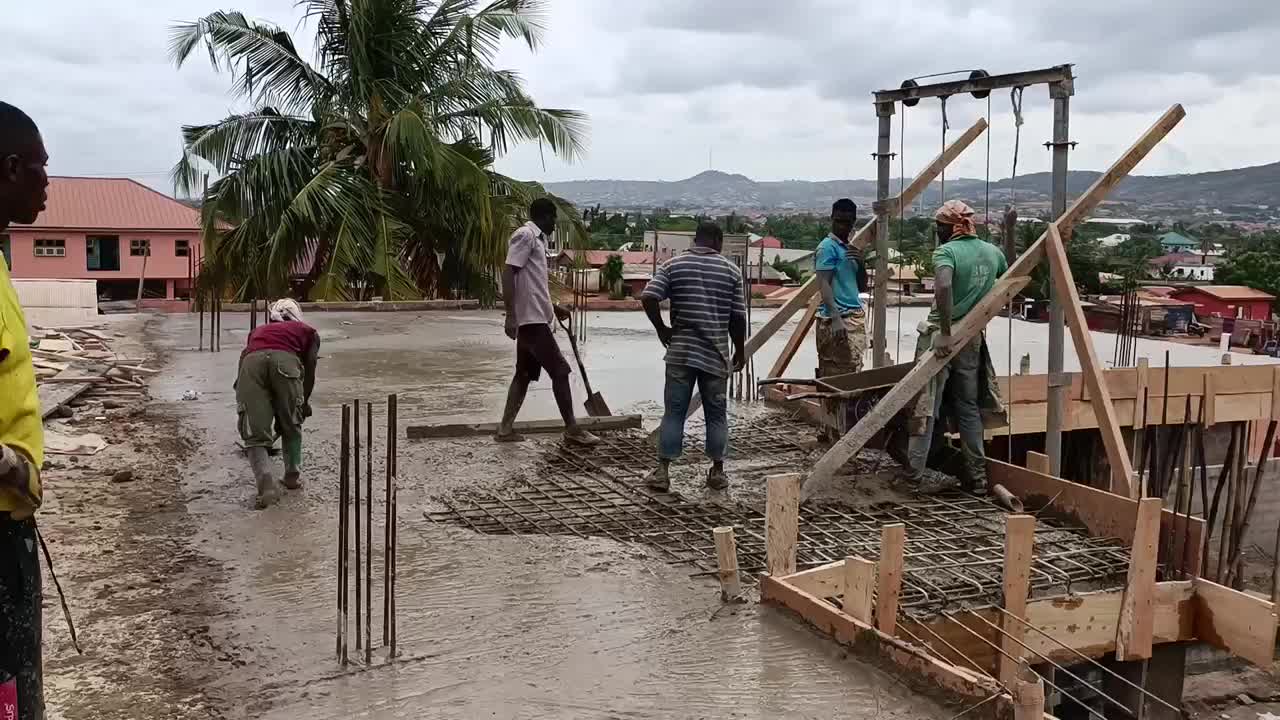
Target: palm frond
260, 56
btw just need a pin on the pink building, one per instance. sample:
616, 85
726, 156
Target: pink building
102, 229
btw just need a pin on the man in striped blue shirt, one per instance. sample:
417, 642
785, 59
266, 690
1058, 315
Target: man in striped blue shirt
707, 312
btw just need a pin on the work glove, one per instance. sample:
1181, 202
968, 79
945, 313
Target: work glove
11, 463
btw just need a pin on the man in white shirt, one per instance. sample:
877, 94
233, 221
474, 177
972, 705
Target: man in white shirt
530, 317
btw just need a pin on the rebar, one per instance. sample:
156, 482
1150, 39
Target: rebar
355, 449
953, 553
1093, 662
386, 531
344, 479
368, 534
1046, 680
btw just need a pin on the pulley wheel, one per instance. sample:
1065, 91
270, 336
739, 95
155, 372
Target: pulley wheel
978, 75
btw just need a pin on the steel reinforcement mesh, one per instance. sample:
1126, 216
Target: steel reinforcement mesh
955, 543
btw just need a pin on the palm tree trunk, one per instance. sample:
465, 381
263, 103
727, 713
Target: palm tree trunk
324, 247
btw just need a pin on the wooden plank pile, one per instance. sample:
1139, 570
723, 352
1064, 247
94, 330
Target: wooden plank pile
77, 365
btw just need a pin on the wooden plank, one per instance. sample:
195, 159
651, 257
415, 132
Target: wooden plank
912, 662
1028, 693
1275, 393
1234, 621
860, 240
1133, 633
1210, 401
1099, 394
1139, 392
893, 538
906, 390
1123, 383
1102, 513
727, 563
782, 515
797, 337
1019, 536
594, 424
1085, 622
1037, 462
824, 581
859, 587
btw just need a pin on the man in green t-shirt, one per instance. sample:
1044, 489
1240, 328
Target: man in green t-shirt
966, 268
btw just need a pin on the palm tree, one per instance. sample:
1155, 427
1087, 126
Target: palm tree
373, 165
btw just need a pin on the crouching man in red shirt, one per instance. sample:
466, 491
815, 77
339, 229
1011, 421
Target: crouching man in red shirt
273, 395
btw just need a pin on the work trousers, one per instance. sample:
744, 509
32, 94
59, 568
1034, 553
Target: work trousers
20, 614
269, 400
956, 386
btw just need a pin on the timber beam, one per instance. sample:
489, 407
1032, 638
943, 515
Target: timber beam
976, 321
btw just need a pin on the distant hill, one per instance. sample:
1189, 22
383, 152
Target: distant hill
1236, 192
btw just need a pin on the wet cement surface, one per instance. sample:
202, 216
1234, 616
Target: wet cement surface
194, 605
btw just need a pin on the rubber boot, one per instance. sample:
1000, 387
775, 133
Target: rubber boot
268, 490
292, 459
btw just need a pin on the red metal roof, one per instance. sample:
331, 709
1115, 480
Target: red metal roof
112, 204
1227, 292
768, 241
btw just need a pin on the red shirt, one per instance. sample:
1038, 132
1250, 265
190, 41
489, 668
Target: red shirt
290, 336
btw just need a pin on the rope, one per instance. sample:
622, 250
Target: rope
1015, 97
902, 214
942, 188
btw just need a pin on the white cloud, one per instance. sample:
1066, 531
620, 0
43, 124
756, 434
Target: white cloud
769, 89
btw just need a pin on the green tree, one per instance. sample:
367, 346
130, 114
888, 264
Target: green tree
376, 159
611, 274
790, 269
1255, 263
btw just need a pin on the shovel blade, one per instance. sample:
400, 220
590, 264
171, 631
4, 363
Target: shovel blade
596, 406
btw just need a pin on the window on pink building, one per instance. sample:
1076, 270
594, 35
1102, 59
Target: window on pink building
102, 252
139, 248
45, 247
181, 248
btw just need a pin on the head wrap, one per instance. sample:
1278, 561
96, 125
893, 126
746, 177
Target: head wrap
959, 216
285, 309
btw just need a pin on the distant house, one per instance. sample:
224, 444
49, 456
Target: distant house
1156, 314
107, 230
768, 241
802, 259
677, 242
596, 259
1172, 242
1114, 239
1185, 266
1228, 301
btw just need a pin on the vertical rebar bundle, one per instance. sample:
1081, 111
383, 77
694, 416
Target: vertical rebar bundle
349, 499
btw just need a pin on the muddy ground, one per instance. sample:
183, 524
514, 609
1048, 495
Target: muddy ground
190, 604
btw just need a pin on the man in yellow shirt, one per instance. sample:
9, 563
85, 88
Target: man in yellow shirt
23, 193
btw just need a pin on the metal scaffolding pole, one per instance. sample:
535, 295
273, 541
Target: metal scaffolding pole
1060, 92
880, 302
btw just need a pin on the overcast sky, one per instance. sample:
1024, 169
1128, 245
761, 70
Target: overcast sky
772, 89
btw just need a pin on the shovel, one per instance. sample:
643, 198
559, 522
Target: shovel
595, 404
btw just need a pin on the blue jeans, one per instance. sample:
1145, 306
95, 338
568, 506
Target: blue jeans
958, 382
676, 397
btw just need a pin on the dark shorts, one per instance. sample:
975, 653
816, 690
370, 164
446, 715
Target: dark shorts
536, 349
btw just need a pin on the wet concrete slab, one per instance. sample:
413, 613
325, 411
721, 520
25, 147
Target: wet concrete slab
507, 627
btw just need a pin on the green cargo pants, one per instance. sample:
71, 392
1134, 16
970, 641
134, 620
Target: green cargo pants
269, 400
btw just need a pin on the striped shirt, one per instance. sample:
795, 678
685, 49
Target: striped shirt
705, 290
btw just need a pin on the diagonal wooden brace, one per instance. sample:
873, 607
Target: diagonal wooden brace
929, 365
1099, 393
860, 240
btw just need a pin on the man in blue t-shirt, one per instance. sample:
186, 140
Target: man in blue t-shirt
841, 332
842, 325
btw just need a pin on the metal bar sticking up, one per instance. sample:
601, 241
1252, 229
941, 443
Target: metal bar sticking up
355, 447
368, 534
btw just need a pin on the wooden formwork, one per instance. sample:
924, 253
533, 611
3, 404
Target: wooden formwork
972, 654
